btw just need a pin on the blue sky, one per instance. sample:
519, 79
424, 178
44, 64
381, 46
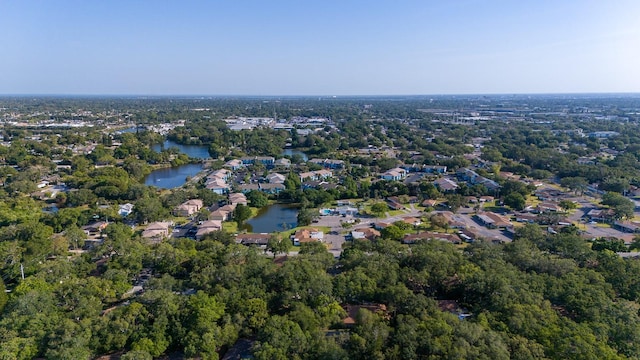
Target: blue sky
345, 47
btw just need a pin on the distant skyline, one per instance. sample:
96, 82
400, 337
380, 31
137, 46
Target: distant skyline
297, 48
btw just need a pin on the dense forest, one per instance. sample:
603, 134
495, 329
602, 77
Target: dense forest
542, 296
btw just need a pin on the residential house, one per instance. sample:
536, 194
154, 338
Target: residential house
234, 164
429, 203
316, 175
603, 134
474, 178
346, 210
395, 174
156, 231
245, 188
631, 227
434, 169
218, 186
600, 215
323, 174
275, 178
394, 204
468, 235
253, 239
223, 174
412, 221
272, 188
237, 198
413, 167
446, 185
95, 229
318, 185
526, 218
229, 208
188, 208
328, 163
208, 227
307, 235
366, 233
267, 161
453, 221
310, 175
220, 215
42, 184
381, 225
125, 209
488, 183
550, 195
493, 220
547, 207
469, 175
247, 160
283, 162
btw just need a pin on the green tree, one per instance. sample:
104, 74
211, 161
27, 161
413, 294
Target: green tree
379, 209
306, 216
76, 236
567, 205
392, 232
278, 245
257, 198
149, 209
622, 207
515, 201
3, 295
241, 214
575, 184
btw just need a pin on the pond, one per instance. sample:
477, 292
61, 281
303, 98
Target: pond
292, 152
272, 218
172, 177
194, 151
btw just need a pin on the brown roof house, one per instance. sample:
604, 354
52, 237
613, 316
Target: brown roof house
253, 239
493, 220
208, 227
188, 208
366, 233
220, 215
307, 235
237, 198
156, 231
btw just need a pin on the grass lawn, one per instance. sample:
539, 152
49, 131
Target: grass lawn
533, 201
230, 226
180, 220
396, 212
603, 225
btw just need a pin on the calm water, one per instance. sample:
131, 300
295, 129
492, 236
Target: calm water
276, 217
169, 178
194, 151
291, 152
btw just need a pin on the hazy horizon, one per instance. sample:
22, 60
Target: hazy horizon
288, 48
